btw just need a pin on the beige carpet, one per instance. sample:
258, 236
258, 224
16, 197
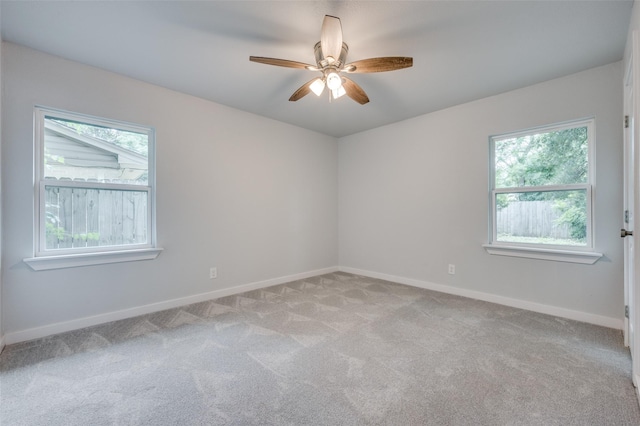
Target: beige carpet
338, 349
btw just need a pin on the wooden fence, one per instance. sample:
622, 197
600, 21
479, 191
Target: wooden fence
81, 217
531, 219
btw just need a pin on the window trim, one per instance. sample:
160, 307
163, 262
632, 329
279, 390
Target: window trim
44, 259
45, 263
563, 253
584, 257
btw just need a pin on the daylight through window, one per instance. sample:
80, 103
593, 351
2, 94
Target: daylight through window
95, 181
541, 186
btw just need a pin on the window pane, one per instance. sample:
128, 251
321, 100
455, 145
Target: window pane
86, 152
551, 158
81, 217
551, 217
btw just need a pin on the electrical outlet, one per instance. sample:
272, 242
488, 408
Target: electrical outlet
452, 269
213, 273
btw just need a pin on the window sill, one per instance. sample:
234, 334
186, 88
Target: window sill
584, 257
45, 263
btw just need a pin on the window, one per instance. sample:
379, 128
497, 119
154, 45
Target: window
94, 188
541, 189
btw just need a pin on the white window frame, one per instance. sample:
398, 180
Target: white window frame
44, 258
576, 254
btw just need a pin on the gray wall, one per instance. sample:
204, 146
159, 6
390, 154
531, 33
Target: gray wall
261, 199
1, 322
414, 197
255, 197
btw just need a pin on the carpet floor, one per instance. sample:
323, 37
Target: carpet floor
337, 349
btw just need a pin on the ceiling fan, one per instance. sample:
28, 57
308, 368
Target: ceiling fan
331, 54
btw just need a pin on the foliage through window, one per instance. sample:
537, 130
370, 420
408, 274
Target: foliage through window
541, 186
95, 180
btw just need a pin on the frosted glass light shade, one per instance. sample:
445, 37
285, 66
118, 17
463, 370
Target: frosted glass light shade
317, 86
334, 81
338, 92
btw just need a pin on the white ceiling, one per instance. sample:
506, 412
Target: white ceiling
462, 50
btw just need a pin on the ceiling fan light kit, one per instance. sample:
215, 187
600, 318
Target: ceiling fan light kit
317, 86
331, 55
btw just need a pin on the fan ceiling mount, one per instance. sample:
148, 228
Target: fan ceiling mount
331, 55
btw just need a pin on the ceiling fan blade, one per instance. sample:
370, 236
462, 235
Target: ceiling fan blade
303, 91
389, 63
331, 38
354, 91
282, 63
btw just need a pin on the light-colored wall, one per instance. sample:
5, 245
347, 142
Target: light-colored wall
255, 197
1, 326
259, 199
413, 198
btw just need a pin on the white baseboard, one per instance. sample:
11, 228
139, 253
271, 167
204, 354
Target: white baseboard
61, 327
609, 322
